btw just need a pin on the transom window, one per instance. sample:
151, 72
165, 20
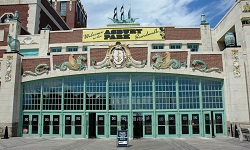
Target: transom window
175, 46
84, 48
56, 49
193, 47
157, 46
29, 52
72, 49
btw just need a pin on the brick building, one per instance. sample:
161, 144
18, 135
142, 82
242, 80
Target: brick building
152, 81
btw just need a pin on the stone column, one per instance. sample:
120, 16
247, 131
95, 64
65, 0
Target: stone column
10, 93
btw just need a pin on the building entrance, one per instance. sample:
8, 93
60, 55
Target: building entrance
137, 126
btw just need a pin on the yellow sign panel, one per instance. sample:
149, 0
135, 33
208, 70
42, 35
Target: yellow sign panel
125, 34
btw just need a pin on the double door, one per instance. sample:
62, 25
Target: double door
166, 124
73, 125
118, 122
213, 123
31, 124
190, 124
51, 125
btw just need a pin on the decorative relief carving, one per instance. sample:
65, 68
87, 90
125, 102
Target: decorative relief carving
236, 66
166, 62
72, 64
118, 56
202, 67
246, 7
39, 70
8, 68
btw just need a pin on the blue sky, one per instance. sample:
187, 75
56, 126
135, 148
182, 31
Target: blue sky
183, 13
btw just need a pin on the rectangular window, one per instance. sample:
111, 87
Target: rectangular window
56, 49
84, 48
63, 9
29, 52
175, 46
72, 49
158, 46
193, 47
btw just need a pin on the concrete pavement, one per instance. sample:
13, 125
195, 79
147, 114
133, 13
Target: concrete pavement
50, 143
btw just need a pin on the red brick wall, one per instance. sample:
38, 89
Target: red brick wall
97, 54
58, 59
139, 53
181, 56
70, 15
172, 33
31, 64
6, 32
22, 9
211, 60
65, 37
2, 51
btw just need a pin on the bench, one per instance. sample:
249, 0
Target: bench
243, 131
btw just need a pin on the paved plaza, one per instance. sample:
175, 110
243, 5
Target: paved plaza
49, 143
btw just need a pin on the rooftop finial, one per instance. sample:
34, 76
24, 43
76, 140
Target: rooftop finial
203, 19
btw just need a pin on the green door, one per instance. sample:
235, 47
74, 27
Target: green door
101, 124
118, 122
166, 124
31, 124
73, 125
190, 124
218, 123
207, 124
51, 125
148, 125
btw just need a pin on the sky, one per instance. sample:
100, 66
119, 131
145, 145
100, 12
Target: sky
179, 13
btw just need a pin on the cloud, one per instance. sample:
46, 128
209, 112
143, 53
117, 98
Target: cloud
157, 12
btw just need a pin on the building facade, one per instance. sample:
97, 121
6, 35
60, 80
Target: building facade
152, 81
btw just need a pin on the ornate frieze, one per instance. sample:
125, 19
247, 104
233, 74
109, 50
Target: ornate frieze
39, 70
166, 62
202, 67
8, 68
118, 56
236, 66
72, 64
246, 7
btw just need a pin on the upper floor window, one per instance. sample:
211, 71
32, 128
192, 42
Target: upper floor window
84, 48
56, 49
6, 17
175, 46
63, 9
72, 49
157, 46
193, 47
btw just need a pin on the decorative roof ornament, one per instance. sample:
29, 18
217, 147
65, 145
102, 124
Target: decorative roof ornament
230, 39
16, 15
14, 44
122, 20
203, 20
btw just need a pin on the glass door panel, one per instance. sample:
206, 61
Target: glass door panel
148, 125
46, 124
185, 124
124, 122
218, 123
26, 124
100, 125
35, 124
56, 124
172, 124
161, 122
207, 124
78, 124
113, 119
195, 124
67, 124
